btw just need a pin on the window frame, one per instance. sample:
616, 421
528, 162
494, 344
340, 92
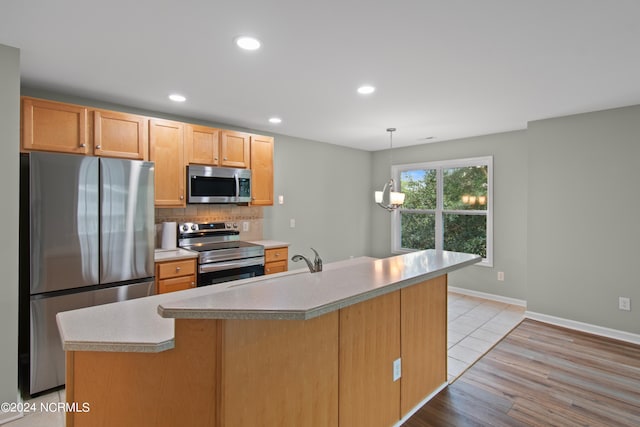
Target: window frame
439, 211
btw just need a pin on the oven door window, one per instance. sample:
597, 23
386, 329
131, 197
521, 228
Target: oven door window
211, 278
204, 186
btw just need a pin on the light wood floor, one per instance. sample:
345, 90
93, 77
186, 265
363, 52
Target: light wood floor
541, 375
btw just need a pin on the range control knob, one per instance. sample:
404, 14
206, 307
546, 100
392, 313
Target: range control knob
194, 227
235, 225
185, 228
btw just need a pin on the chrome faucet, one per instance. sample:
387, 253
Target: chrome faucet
317, 262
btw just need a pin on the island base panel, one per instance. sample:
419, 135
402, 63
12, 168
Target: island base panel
280, 372
171, 388
424, 340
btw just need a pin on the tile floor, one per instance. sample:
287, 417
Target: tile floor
475, 325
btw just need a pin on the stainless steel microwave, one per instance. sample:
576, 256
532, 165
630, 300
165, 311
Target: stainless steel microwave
208, 184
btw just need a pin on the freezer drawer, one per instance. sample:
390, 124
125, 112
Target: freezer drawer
47, 366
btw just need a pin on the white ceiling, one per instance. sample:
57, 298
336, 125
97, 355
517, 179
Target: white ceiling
448, 68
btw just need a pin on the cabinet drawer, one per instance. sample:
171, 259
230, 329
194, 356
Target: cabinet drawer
171, 269
275, 267
276, 254
176, 284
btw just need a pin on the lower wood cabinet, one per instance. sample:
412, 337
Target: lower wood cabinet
276, 260
174, 276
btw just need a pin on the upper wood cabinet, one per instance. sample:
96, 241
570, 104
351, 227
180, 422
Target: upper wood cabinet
54, 126
261, 170
202, 145
120, 135
234, 149
166, 142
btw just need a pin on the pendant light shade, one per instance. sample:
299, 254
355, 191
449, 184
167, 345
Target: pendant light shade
395, 198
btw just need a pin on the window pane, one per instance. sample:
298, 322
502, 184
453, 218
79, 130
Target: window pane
419, 187
465, 233
418, 231
465, 188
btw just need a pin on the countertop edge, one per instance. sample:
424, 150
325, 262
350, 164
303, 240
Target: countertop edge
119, 347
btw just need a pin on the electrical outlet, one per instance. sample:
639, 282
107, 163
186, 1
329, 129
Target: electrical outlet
245, 226
292, 223
281, 199
501, 276
624, 303
397, 369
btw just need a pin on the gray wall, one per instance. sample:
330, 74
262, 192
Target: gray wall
584, 224
509, 153
325, 189
9, 176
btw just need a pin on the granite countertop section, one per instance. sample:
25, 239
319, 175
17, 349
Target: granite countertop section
135, 326
304, 295
270, 244
162, 255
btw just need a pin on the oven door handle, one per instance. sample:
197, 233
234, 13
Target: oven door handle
220, 266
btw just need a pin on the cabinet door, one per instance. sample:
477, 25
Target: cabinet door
369, 344
54, 126
423, 340
261, 170
176, 284
166, 140
202, 145
275, 267
234, 149
120, 135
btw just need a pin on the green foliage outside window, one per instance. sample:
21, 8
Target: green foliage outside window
464, 189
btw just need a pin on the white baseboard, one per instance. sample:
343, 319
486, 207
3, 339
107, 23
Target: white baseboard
492, 297
420, 405
584, 327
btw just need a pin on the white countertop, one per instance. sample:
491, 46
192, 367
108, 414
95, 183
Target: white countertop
135, 326
173, 254
270, 244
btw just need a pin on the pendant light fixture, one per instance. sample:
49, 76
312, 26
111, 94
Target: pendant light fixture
396, 199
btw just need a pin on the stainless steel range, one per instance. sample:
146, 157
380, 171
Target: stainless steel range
222, 256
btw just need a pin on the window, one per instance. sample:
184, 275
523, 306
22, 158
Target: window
448, 206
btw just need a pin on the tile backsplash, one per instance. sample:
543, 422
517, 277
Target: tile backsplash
214, 213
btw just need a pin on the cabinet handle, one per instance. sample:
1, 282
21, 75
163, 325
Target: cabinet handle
178, 269
268, 270
225, 158
181, 197
277, 253
97, 147
193, 284
215, 158
83, 145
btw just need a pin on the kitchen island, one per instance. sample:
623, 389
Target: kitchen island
361, 343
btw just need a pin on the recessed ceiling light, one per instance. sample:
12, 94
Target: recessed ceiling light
275, 120
248, 43
177, 98
366, 90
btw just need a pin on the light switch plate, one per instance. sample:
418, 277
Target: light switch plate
292, 223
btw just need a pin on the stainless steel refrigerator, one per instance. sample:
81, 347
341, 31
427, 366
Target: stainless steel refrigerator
86, 238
